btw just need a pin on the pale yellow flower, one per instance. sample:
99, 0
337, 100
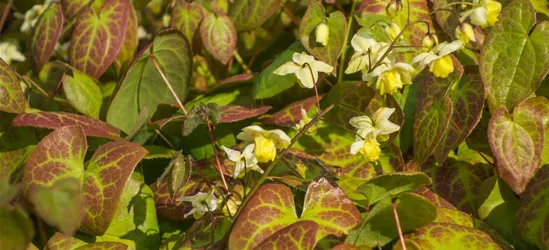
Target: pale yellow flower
305, 68
266, 141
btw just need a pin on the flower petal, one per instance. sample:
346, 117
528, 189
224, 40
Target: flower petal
248, 151
232, 154
321, 66
305, 78
362, 40
287, 68
355, 147
450, 48
479, 16
382, 113
280, 138
361, 121
386, 127
302, 58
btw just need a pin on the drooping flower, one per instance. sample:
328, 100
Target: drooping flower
266, 141
244, 160
484, 13
305, 68
367, 51
393, 8
378, 124
392, 30
202, 203
9, 52
465, 33
438, 59
390, 78
322, 33
428, 41
368, 147
31, 16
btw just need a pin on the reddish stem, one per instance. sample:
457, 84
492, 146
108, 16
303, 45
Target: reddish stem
210, 131
400, 236
167, 83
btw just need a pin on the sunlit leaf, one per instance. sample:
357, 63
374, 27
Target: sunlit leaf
45, 34
538, 106
453, 216
97, 38
11, 96
83, 93
218, 35
429, 126
393, 184
251, 14
300, 235
511, 61
186, 18
125, 56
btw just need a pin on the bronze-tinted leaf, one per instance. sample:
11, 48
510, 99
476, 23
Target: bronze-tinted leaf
54, 120
97, 38
186, 17
430, 123
300, 235
125, 56
171, 207
44, 36
234, 113
218, 35
517, 143
291, 114
251, 14
11, 96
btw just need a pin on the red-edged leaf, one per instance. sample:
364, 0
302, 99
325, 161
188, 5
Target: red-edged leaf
170, 207
186, 18
59, 154
11, 96
234, 113
300, 235
434, 198
291, 114
97, 38
430, 123
517, 143
44, 36
251, 14
233, 79
71, 7
106, 175
54, 120
538, 106
127, 51
218, 35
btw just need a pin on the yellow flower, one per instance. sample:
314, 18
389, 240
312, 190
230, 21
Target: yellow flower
391, 77
429, 41
485, 13
438, 59
392, 30
367, 50
322, 33
493, 9
442, 67
393, 8
378, 124
305, 68
266, 141
369, 148
465, 33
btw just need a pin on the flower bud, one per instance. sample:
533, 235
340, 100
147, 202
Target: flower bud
393, 8
429, 41
465, 33
392, 30
322, 33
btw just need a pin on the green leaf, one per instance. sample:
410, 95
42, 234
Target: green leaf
368, 20
517, 143
177, 173
514, 58
218, 35
496, 200
251, 14
83, 93
458, 182
11, 96
44, 36
379, 227
393, 184
538, 106
533, 214
143, 85
276, 200
269, 84
97, 38
55, 120
16, 230
429, 126
61, 204
336, 23
125, 56
541, 6
449, 237
300, 235
453, 216
186, 17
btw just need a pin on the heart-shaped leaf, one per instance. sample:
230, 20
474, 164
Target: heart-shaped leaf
251, 14
218, 35
379, 227
44, 36
143, 85
60, 155
517, 143
448, 236
186, 17
299, 235
393, 184
11, 96
54, 120
61, 204
336, 23
97, 38
538, 106
511, 61
324, 203
83, 93
533, 214
269, 84
235, 113
431, 122
291, 114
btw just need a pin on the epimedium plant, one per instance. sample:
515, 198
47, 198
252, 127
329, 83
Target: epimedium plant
263, 124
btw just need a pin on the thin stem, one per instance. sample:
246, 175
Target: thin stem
400, 236
291, 15
241, 62
210, 131
168, 83
316, 89
5, 14
158, 132
42, 232
344, 50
